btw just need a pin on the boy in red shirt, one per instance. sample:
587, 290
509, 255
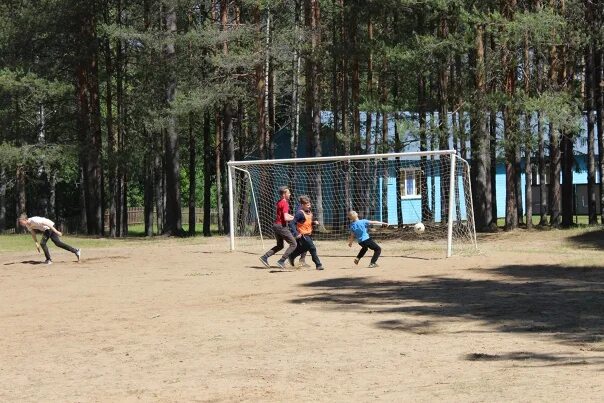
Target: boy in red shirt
281, 230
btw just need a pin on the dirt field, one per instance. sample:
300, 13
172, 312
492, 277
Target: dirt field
183, 320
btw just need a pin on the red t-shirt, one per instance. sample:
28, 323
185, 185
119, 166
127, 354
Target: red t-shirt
282, 208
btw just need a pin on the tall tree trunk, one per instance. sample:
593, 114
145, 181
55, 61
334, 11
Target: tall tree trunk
591, 120
52, 195
148, 192
2, 199
598, 94
218, 165
480, 144
567, 180
443, 125
89, 123
21, 205
543, 190
427, 215
83, 221
370, 95
313, 78
229, 150
158, 175
555, 168
355, 88
173, 203
528, 166
111, 141
493, 153
261, 72
207, 178
510, 127
192, 176
297, 65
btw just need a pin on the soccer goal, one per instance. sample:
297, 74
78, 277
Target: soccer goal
425, 197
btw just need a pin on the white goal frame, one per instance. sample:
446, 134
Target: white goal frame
240, 165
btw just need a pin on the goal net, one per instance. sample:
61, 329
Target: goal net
401, 189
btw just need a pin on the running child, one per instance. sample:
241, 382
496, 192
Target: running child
281, 230
303, 220
358, 231
46, 227
302, 261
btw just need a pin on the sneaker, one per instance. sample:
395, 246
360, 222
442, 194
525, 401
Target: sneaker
78, 253
281, 264
302, 263
319, 267
291, 262
356, 261
372, 265
48, 262
264, 261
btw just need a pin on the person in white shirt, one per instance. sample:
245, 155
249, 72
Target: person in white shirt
46, 227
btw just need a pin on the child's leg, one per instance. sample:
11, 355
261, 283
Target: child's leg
43, 244
279, 246
57, 241
313, 251
377, 251
297, 252
362, 251
291, 240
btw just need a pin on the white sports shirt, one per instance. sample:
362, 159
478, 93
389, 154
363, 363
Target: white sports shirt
39, 224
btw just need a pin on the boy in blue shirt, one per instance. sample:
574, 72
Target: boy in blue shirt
358, 231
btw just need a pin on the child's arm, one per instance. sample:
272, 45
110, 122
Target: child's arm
350, 239
35, 238
377, 223
298, 218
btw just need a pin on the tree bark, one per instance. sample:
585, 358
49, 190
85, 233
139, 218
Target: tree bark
2, 199
443, 125
192, 176
148, 193
598, 94
21, 205
591, 120
172, 158
111, 141
528, 167
480, 144
510, 126
207, 178
89, 123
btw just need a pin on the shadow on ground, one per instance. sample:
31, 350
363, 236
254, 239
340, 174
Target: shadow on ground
589, 239
33, 262
565, 303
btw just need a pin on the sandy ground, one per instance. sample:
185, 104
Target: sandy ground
178, 320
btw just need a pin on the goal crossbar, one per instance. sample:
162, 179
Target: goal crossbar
342, 158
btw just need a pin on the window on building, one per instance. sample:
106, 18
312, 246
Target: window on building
410, 182
536, 178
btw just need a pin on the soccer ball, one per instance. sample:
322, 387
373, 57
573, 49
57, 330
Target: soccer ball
419, 228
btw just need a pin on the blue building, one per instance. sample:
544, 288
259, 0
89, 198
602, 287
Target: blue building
409, 195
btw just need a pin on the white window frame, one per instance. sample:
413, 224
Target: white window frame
404, 172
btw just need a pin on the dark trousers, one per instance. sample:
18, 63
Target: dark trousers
370, 244
56, 240
282, 234
306, 244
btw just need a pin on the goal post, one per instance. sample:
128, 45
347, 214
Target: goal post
401, 189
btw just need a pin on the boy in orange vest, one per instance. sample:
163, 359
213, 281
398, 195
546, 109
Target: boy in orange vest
302, 230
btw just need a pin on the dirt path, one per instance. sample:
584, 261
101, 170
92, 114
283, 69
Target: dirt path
176, 321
